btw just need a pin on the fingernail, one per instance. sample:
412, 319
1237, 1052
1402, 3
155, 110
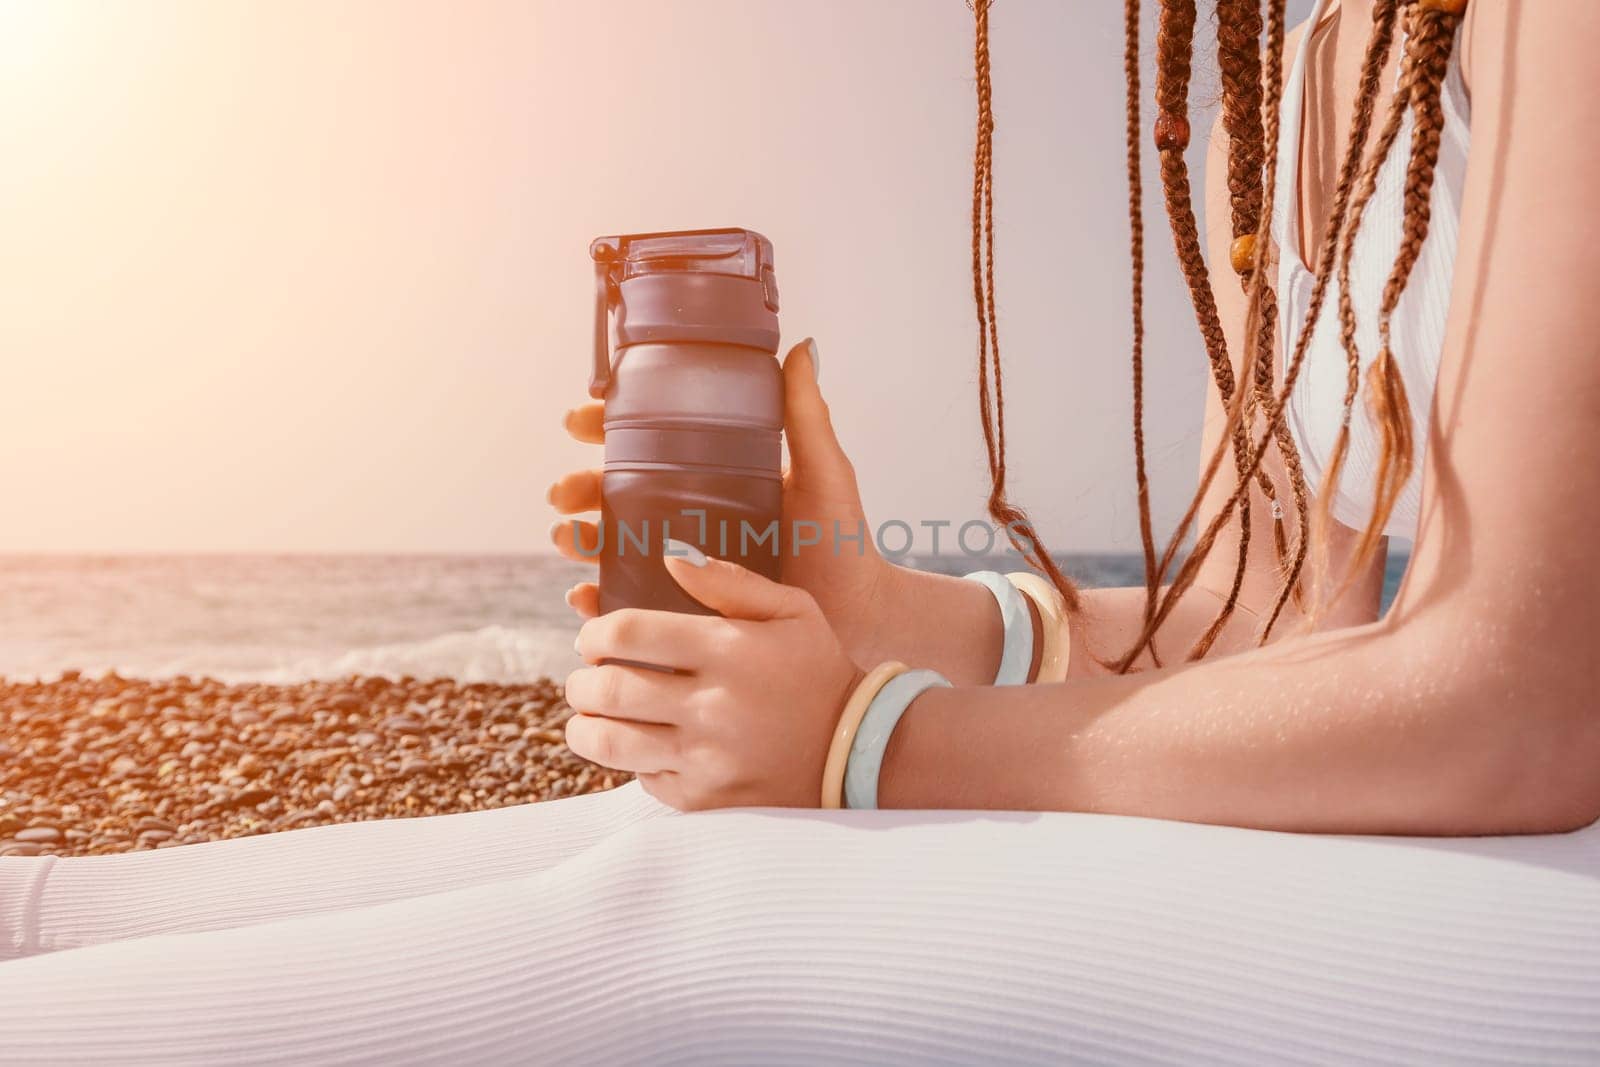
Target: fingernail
685, 551
550, 494
816, 360
575, 647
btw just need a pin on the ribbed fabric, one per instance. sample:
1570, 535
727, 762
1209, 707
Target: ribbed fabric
48, 904
1316, 406
744, 937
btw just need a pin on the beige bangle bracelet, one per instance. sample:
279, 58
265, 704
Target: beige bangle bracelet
844, 734
1057, 653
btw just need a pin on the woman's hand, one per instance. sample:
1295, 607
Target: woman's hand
745, 716
847, 577
879, 611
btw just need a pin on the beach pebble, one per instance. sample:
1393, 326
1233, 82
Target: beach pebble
249, 797
107, 765
41, 835
404, 724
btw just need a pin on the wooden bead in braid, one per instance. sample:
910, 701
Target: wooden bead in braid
1019, 528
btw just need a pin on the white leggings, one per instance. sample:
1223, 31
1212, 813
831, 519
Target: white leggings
598, 929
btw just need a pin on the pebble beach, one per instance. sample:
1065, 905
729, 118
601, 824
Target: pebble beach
97, 765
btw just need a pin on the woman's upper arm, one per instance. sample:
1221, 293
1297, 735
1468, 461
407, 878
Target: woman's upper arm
1511, 492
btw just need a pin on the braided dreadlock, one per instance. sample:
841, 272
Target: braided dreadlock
1130, 65
1239, 27
1430, 38
1377, 52
1015, 521
1174, 43
1252, 89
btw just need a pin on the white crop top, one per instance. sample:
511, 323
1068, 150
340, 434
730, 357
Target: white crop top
1417, 326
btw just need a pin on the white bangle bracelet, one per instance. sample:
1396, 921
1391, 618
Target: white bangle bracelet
872, 736
844, 733
1016, 655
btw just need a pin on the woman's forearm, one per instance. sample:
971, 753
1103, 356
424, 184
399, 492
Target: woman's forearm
1361, 730
952, 626
934, 621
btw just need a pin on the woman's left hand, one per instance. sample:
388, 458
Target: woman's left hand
745, 717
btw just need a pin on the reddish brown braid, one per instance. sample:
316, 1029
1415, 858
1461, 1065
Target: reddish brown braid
1431, 26
1239, 62
1174, 45
1130, 66
1019, 528
1430, 38
1250, 257
1254, 323
1387, 136
1296, 362
1377, 52
1239, 27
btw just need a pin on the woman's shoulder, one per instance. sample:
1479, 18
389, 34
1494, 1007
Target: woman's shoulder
1291, 43
1486, 30
1293, 37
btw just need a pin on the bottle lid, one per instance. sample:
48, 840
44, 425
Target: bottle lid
684, 285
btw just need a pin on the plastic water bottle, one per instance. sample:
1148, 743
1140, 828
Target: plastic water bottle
693, 407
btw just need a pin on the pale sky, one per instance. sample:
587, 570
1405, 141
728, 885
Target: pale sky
304, 276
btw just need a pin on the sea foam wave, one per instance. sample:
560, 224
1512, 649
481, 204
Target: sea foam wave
489, 654
496, 653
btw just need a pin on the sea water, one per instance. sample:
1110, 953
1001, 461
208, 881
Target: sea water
299, 617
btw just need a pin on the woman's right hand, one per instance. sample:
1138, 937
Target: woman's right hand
847, 577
